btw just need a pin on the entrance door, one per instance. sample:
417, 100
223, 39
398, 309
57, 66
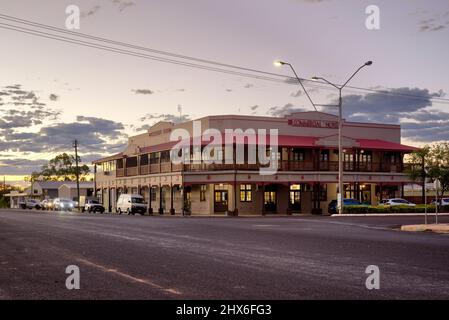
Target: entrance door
270, 201
221, 201
295, 197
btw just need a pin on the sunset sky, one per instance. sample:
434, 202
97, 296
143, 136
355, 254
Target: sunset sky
52, 92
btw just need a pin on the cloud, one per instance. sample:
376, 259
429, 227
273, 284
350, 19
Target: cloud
94, 134
412, 108
90, 12
248, 85
434, 22
122, 5
143, 91
253, 108
30, 128
156, 117
24, 108
20, 166
287, 109
296, 94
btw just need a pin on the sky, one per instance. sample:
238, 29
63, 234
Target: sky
52, 92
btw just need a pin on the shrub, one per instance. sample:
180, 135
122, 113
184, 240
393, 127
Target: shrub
4, 203
392, 209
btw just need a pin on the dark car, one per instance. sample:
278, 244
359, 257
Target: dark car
332, 207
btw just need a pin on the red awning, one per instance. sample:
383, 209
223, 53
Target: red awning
384, 145
283, 141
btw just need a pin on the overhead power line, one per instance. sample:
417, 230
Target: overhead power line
261, 75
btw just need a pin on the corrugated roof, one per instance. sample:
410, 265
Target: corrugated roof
49, 184
83, 184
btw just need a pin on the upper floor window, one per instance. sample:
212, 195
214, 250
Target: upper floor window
144, 159
165, 156
324, 155
154, 157
298, 155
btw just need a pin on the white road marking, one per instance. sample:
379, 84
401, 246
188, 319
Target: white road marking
128, 276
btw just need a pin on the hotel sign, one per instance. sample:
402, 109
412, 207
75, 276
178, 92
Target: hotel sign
305, 123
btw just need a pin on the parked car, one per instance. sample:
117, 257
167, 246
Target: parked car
131, 203
332, 207
441, 202
61, 204
93, 205
33, 204
396, 202
22, 204
44, 204
49, 205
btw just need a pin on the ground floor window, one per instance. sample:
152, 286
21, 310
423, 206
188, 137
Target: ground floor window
245, 193
203, 189
320, 193
153, 194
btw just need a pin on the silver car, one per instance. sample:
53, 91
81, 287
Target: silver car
61, 204
396, 202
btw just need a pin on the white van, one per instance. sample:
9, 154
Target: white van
131, 203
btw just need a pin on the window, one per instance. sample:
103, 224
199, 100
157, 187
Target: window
154, 158
269, 197
153, 194
298, 155
322, 193
203, 189
144, 159
245, 193
165, 156
295, 194
324, 155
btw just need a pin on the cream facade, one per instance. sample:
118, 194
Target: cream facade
306, 180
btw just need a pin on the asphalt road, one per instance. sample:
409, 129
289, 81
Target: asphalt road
135, 257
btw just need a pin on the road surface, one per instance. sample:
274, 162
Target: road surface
142, 257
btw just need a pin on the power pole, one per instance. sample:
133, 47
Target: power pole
75, 145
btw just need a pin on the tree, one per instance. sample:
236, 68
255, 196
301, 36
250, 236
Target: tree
61, 168
4, 189
431, 162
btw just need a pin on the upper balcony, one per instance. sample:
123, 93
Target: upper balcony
290, 159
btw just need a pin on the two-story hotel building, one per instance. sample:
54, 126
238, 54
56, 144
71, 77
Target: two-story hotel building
306, 180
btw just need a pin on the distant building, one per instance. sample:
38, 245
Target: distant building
41, 190
68, 190
45, 189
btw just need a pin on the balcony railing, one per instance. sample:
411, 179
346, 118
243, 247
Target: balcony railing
120, 172
131, 171
284, 165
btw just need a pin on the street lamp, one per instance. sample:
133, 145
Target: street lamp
340, 129
279, 63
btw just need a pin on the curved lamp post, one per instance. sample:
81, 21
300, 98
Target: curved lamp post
282, 63
340, 129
